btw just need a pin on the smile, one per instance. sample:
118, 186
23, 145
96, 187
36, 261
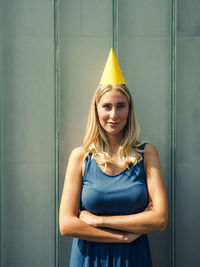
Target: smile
113, 123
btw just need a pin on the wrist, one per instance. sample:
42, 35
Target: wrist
125, 238
99, 221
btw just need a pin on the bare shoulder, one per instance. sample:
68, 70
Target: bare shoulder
72, 183
77, 153
150, 154
150, 150
77, 158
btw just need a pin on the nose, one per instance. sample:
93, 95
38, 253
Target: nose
113, 113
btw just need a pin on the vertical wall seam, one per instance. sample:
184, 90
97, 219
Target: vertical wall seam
1, 163
115, 26
3, 241
56, 127
173, 128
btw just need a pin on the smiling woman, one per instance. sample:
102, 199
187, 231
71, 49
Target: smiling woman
109, 185
112, 111
111, 114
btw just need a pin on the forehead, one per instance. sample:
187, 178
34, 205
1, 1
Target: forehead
113, 96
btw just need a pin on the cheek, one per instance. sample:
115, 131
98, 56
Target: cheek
102, 115
124, 115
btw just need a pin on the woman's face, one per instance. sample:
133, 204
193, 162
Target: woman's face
112, 111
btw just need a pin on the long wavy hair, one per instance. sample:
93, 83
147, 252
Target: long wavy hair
95, 140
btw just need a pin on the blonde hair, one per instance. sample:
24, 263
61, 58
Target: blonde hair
95, 140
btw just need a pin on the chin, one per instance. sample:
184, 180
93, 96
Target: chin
113, 132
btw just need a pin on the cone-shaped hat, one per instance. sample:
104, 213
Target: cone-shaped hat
112, 73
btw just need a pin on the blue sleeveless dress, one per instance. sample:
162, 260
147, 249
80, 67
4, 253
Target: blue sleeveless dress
121, 194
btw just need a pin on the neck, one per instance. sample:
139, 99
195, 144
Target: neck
114, 143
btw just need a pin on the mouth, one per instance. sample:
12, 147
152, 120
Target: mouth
113, 123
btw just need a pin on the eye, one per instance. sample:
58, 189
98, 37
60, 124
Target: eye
121, 106
107, 107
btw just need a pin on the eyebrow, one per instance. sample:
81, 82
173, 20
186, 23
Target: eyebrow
118, 103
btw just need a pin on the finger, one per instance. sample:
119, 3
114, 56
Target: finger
149, 206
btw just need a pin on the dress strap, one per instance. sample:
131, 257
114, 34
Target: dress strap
87, 162
142, 147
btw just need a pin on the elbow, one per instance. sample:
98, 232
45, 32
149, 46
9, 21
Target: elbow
65, 227
163, 223
63, 230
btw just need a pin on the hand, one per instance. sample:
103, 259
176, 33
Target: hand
130, 237
88, 218
149, 206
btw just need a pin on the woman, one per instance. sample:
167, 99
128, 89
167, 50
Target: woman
108, 186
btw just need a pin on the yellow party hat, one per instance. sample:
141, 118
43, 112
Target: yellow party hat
112, 73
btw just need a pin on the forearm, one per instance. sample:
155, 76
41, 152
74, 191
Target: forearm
140, 223
77, 228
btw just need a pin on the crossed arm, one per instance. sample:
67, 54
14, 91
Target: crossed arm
144, 222
112, 228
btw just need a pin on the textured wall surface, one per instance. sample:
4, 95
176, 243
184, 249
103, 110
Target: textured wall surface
144, 48
86, 33
44, 112
27, 147
187, 181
